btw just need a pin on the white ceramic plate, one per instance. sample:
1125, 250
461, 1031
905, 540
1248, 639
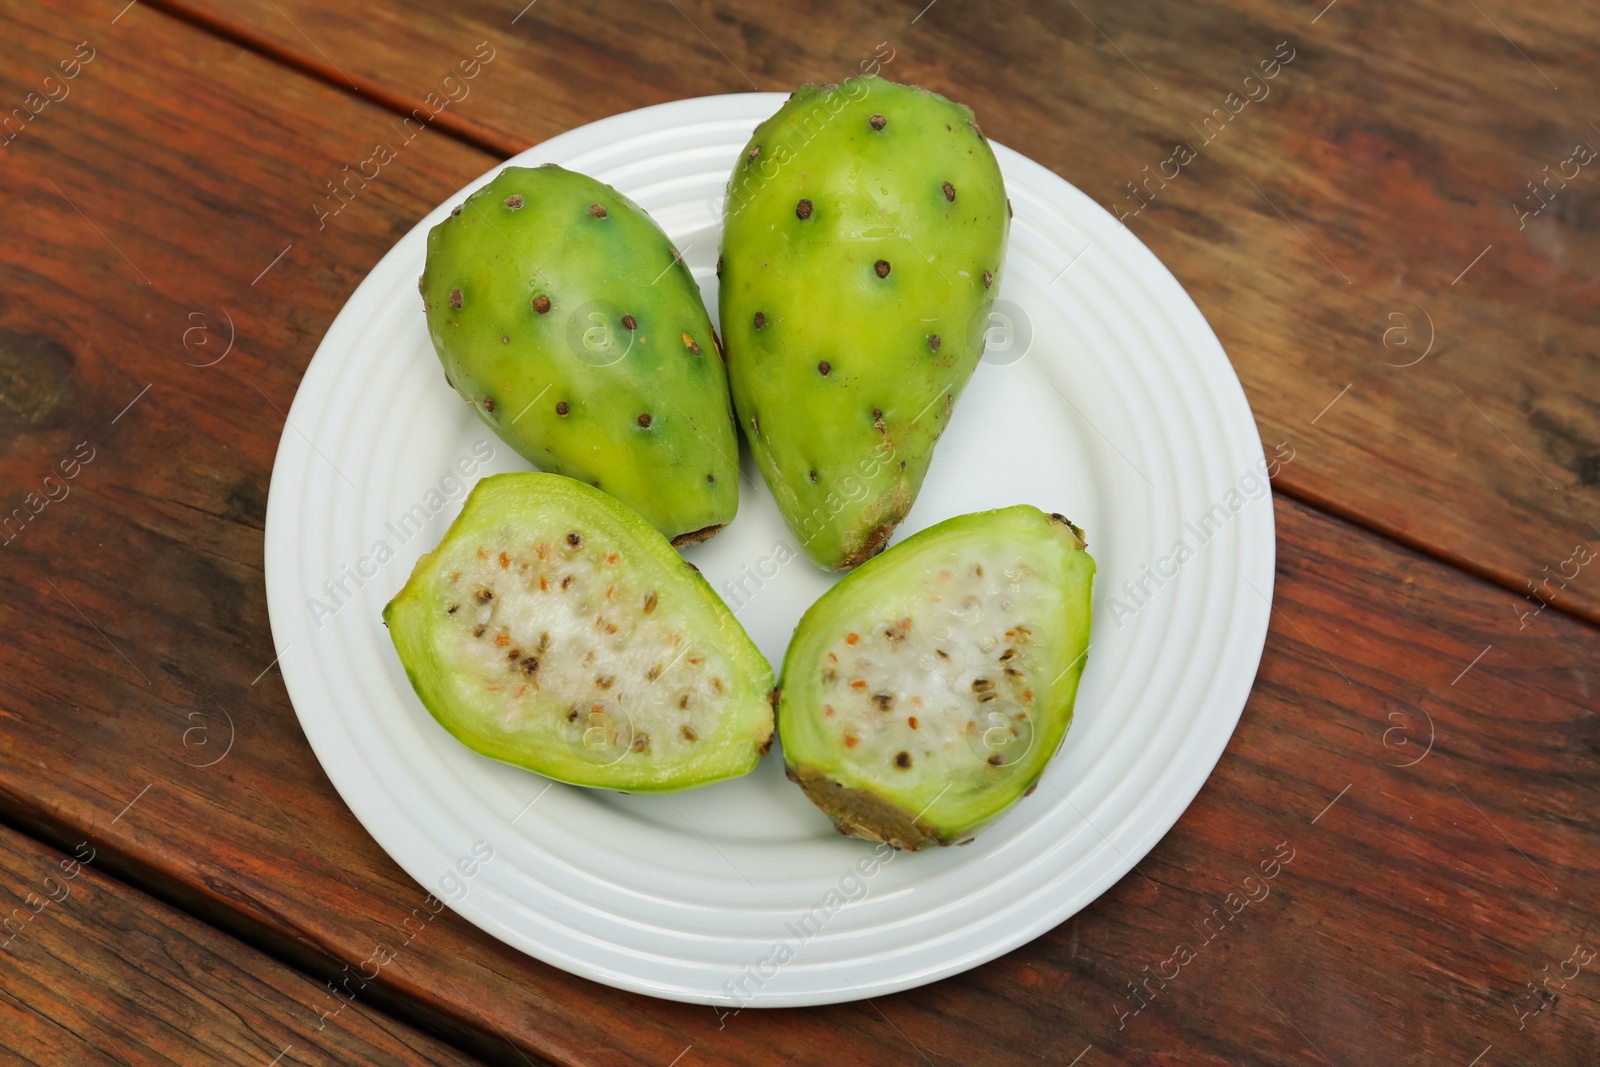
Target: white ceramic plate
1104, 396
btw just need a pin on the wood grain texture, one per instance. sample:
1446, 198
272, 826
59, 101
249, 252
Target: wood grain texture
1410, 921
92, 971
1369, 174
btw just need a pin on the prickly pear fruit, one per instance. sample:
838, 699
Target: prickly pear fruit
863, 240
568, 321
555, 629
924, 694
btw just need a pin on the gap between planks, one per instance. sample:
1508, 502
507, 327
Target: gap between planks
130, 873
496, 145
447, 122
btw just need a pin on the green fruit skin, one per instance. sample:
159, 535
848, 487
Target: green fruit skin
531, 502
954, 803
845, 452
515, 365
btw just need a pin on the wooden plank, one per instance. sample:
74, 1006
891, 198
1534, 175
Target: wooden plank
169, 192
1403, 931
92, 971
1331, 230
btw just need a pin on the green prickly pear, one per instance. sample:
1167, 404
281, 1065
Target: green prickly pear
552, 628
862, 245
925, 694
568, 321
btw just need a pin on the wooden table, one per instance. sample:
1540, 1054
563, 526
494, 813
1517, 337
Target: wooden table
1365, 241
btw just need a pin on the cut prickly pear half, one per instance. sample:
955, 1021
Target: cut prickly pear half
864, 235
924, 694
570, 323
556, 630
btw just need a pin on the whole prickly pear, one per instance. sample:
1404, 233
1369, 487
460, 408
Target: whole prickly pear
568, 321
863, 238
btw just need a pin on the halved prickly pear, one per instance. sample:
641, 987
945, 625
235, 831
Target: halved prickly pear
570, 323
555, 629
924, 694
862, 247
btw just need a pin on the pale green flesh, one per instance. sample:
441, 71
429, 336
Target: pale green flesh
568, 388
607, 662
845, 452
978, 630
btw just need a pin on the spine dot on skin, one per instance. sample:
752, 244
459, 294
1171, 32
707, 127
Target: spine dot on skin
803, 209
644, 420
514, 202
488, 404
751, 158
949, 192
824, 368
455, 299
988, 278
597, 211
562, 408
882, 267
933, 342
541, 304
760, 320
878, 122
629, 322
